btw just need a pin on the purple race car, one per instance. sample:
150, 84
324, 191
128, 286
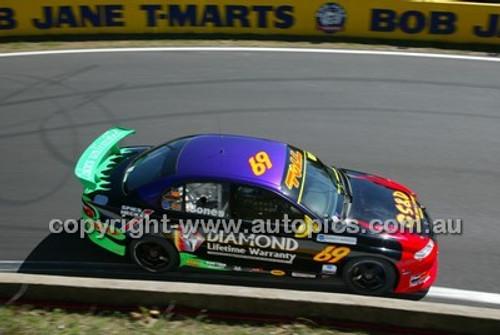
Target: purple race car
248, 205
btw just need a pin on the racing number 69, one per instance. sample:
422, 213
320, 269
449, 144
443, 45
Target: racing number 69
260, 163
332, 254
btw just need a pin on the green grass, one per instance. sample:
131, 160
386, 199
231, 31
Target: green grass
29, 320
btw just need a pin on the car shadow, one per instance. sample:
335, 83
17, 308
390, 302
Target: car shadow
69, 255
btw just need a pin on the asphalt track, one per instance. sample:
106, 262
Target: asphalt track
430, 123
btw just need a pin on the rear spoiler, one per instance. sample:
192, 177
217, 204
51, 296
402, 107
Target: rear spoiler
99, 158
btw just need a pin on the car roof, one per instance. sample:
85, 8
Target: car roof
224, 157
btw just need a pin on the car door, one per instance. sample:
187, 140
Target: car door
271, 225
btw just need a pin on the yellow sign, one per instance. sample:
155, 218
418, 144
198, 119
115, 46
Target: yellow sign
389, 19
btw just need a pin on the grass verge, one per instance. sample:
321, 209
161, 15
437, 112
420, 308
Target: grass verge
29, 320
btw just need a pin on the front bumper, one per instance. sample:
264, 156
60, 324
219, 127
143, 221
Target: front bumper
416, 276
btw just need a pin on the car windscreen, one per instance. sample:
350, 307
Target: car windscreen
307, 181
154, 164
321, 193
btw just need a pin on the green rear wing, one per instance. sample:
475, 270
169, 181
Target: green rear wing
99, 158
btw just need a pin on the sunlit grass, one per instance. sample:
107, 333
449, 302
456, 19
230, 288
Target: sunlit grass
28, 320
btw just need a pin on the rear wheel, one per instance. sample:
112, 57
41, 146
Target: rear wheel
154, 254
369, 276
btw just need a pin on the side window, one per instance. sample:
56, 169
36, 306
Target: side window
172, 199
251, 203
210, 199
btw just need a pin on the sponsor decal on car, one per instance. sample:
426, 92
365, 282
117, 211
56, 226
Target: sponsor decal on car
172, 200
138, 215
329, 269
278, 273
135, 212
192, 208
409, 212
252, 246
215, 265
337, 239
194, 261
419, 279
260, 163
238, 268
294, 173
332, 254
303, 275
189, 242
257, 240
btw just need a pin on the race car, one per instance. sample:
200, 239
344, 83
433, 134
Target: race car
232, 203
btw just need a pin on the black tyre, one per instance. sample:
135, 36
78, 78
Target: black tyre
369, 276
154, 254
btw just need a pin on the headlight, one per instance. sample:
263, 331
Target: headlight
425, 251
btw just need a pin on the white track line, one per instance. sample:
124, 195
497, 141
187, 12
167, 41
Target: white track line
244, 49
463, 295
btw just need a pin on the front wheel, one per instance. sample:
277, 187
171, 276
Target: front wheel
369, 276
154, 254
